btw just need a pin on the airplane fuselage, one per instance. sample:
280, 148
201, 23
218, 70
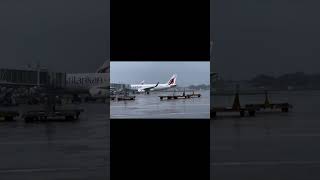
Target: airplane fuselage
157, 88
96, 84
154, 87
86, 80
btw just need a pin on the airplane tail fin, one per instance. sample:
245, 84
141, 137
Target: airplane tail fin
172, 80
142, 82
105, 68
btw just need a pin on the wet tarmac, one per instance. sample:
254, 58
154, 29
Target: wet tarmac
57, 150
150, 106
270, 145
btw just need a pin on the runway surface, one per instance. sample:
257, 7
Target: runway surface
270, 145
150, 106
57, 150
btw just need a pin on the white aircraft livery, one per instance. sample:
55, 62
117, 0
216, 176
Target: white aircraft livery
142, 87
97, 84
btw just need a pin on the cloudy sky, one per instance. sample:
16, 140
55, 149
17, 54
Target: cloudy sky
64, 35
188, 73
251, 37
273, 37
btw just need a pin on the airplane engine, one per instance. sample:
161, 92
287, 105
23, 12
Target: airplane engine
140, 90
96, 92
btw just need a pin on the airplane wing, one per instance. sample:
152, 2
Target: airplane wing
99, 90
103, 87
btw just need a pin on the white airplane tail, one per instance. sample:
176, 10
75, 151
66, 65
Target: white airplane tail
172, 80
104, 68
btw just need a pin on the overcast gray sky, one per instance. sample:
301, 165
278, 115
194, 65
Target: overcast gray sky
252, 37
188, 73
273, 37
64, 35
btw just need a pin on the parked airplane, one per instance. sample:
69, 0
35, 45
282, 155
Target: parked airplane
154, 87
97, 84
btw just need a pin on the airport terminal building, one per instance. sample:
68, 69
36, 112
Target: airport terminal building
41, 77
118, 86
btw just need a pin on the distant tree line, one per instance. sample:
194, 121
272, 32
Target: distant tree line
298, 80
198, 87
